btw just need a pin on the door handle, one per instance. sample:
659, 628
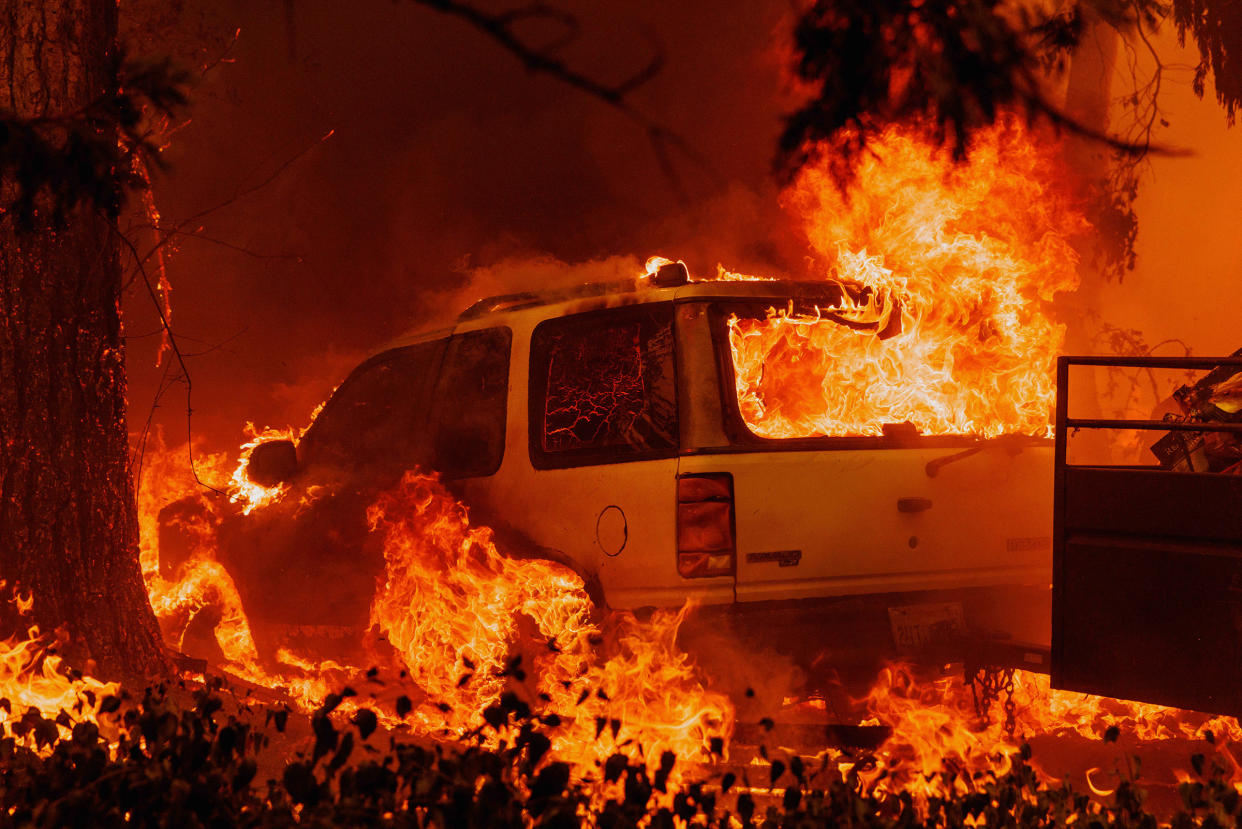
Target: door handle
913, 504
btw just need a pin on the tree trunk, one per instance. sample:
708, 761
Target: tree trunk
68, 521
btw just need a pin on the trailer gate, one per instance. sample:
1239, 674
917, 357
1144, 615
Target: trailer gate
1147, 566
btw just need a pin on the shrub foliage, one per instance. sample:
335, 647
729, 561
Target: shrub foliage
184, 758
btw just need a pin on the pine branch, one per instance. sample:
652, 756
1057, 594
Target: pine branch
541, 58
953, 66
51, 164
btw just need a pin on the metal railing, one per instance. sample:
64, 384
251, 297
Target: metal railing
1065, 423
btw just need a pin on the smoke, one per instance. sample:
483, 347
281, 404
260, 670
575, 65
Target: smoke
756, 676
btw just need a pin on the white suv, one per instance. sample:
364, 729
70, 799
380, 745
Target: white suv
600, 427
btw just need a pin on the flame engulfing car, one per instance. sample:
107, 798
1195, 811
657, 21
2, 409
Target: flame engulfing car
611, 428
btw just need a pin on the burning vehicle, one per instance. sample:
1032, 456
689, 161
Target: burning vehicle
841, 466
626, 430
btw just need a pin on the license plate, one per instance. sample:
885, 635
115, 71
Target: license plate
915, 626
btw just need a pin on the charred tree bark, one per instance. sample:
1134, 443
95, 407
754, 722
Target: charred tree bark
68, 521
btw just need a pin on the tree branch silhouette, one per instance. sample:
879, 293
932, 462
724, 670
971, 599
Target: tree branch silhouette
501, 27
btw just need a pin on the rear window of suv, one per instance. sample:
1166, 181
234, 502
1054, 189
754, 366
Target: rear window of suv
602, 387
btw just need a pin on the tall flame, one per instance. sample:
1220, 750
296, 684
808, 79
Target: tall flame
453, 606
967, 257
179, 592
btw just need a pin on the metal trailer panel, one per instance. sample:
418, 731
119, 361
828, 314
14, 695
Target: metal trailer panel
1147, 570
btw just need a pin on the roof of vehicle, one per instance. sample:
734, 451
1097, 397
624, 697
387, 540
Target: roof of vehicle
535, 306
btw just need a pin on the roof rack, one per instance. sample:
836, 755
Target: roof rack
673, 276
668, 275
530, 299
501, 302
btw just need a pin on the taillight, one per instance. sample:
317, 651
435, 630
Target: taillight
705, 543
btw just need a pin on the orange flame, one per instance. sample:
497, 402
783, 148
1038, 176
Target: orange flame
965, 257
200, 581
246, 492
453, 607
935, 726
654, 263
457, 611
33, 677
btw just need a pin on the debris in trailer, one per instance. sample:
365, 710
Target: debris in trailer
1214, 398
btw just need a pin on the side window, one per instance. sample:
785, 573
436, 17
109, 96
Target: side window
603, 388
471, 404
375, 420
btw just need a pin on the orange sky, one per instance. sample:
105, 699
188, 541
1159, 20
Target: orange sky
1188, 282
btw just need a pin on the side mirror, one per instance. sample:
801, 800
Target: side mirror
272, 462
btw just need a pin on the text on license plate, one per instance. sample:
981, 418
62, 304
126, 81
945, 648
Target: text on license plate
916, 626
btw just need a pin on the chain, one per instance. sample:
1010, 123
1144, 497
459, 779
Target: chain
1011, 723
986, 686
985, 690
